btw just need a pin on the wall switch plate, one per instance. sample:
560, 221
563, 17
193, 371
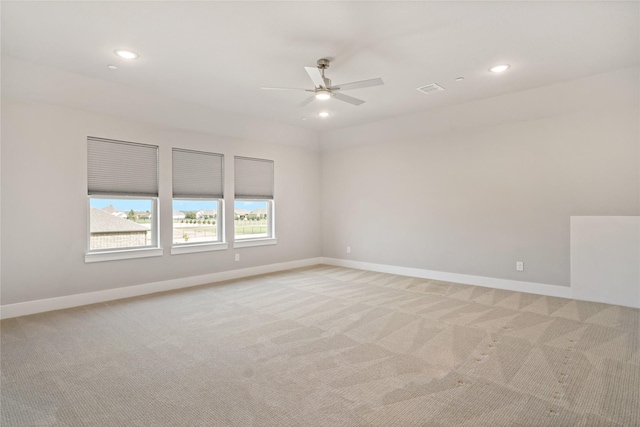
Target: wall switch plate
237, 257
348, 249
520, 266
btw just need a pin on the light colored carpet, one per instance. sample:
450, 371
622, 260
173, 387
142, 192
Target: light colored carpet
325, 346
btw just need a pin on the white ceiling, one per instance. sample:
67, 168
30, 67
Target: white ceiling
219, 54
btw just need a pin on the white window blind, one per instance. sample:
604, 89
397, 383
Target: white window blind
122, 168
253, 178
197, 174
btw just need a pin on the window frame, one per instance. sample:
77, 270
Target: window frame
141, 186
219, 244
254, 181
110, 254
200, 168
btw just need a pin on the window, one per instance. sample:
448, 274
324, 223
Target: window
120, 223
198, 192
250, 220
253, 205
123, 198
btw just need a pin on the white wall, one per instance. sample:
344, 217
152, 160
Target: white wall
44, 203
605, 259
475, 197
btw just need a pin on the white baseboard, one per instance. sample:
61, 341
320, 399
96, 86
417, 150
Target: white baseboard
58, 303
39, 306
487, 282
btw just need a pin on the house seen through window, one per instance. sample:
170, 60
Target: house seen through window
120, 223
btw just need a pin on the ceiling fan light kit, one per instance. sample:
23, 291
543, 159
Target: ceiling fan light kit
323, 94
323, 89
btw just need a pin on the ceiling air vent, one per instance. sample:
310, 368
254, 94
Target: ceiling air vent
432, 88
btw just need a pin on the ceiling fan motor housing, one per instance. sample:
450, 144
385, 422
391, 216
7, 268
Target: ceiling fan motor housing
323, 63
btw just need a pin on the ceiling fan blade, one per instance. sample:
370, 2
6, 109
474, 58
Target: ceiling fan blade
306, 101
316, 76
284, 88
349, 99
358, 85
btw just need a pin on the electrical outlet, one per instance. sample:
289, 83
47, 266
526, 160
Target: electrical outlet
348, 249
519, 266
237, 257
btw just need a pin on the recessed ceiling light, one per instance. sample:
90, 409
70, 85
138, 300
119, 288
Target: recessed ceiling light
126, 54
499, 68
323, 114
112, 67
459, 79
303, 118
323, 94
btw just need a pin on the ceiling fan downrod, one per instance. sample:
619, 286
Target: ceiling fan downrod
323, 64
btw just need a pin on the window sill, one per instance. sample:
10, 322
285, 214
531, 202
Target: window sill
201, 247
122, 254
254, 242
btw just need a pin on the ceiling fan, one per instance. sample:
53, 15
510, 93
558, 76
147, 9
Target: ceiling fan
324, 90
